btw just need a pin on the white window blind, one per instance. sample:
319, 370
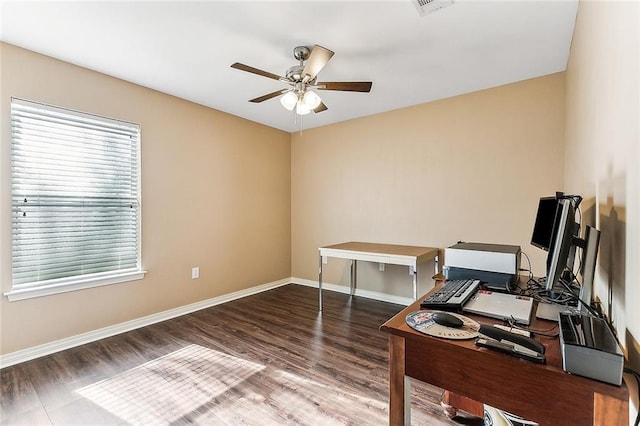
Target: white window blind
75, 196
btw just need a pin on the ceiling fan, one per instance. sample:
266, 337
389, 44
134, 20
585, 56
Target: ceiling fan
302, 78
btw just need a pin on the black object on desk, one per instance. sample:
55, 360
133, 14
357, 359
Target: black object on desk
503, 335
511, 349
511, 343
590, 349
452, 295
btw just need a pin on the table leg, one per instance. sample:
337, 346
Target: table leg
320, 285
449, 410
399, 384
414, 273
352, 279
407, 400
452, 402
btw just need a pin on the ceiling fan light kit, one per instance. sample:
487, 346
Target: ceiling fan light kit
302, 109
289, 100
302, 78
303, 101
311, 99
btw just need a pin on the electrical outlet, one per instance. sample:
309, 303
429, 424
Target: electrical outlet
195, 273
381, 267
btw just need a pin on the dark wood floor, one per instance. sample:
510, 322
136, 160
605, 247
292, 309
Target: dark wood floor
265, 359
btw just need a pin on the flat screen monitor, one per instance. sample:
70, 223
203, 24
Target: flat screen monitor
561, 242
588, 267
543, 226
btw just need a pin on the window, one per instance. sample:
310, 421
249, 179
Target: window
75, 200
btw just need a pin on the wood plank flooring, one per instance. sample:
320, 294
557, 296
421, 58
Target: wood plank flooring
266, 359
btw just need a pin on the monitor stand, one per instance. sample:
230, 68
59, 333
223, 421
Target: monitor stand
551, 311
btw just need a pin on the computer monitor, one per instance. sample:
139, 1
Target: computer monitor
543, 227
564, 229
588, 267
565, 240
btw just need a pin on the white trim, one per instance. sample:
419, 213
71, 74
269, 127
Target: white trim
115, 122
383, 297
91, 336
65, 285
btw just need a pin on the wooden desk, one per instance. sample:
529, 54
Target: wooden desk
539, 392
410, 256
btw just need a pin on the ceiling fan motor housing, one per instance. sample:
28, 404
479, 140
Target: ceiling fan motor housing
294, 73
301, 53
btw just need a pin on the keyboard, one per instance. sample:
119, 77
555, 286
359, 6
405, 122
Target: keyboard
452, 295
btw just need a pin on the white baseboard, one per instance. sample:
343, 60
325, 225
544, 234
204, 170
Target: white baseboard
383, 297
91, 336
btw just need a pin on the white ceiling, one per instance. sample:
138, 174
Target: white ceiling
186, 48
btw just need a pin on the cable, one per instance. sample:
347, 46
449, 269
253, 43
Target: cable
530, 270
637, 377
575, 201
579, 211
564, 297
586, 305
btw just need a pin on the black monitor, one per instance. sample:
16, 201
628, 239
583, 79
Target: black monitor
543, 227
562, 241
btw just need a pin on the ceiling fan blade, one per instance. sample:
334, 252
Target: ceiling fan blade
347, 86
317, 60
320, 108
253, 70
268, 96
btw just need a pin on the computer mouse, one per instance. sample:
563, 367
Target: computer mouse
447, 320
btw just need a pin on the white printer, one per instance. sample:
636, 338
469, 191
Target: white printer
497, 265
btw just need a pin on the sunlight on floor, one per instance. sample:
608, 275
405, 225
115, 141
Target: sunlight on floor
168, 388
204, 386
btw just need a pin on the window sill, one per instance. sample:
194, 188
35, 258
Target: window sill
66, 285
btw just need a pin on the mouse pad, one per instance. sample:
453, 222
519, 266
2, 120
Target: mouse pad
423, 322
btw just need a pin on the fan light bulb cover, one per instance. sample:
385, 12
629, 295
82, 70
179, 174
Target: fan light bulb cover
311, 99
289, 100
302, 108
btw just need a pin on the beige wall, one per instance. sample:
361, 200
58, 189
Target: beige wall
603, 153
215, 194
467, 168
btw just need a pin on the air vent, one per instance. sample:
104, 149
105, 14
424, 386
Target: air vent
426, 7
